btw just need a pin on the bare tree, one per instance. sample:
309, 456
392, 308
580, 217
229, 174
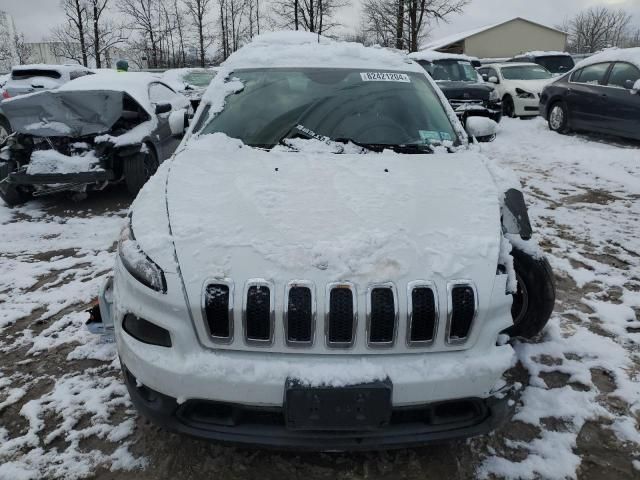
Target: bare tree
199, 11
144, 17
402, 23
596, 28
312, 15
71, 38
22, 48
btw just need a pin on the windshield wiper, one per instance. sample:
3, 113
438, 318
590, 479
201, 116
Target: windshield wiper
409, 148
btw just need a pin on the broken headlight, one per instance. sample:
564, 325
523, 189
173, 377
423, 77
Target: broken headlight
524, 94
494, 96
138, 264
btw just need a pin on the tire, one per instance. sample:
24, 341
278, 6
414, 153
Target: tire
139, 168
11, 194
508, 108
558, 118
533, 303
5, 129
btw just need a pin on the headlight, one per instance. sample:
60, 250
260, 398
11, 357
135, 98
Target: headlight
494, 96
524, 94
138, 264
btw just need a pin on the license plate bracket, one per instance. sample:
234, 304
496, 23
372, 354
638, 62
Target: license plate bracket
365, 406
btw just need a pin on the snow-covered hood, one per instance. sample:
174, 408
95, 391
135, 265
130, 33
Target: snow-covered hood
242, 213
58, 113
531, 86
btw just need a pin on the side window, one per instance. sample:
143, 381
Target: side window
575, 76
623, 75
159, 93
593, 74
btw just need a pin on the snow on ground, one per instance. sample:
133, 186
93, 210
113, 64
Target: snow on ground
583, 194
64, 411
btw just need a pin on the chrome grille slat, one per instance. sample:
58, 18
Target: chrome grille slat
258, 312
462, 306
299, 316
422, 314
217, 309
382, 315
341, 315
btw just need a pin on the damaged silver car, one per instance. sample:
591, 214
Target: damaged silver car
91, 132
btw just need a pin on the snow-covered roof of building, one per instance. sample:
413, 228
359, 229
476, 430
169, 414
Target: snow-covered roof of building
457, 37
135, 84
304, 49
631, 55
432, 55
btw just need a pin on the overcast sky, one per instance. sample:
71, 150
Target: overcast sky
36, 17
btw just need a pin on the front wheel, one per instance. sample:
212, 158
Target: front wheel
558, 118
139, 168
534, 301
508, 108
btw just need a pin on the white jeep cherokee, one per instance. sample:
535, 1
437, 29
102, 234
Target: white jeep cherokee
323, 264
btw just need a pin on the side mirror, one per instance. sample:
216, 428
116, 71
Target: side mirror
494, 79
482, 128
485, 77
163, 108
634, 87
178, 122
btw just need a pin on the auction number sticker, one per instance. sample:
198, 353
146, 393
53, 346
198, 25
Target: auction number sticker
385, 77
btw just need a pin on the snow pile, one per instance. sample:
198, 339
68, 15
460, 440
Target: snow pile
304, 49
52, 161
582, 198
630, 55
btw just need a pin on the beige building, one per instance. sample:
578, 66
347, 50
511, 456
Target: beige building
502, 40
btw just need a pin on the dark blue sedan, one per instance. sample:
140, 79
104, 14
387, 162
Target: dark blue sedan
600, 95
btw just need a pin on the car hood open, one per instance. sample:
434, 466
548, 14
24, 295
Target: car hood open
241, 213
64, 113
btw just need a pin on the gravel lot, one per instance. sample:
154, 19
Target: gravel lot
64, 412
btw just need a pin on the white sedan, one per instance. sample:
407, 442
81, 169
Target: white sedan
519, 86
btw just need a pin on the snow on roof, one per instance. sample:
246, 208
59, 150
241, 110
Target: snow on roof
541, 53
631, 55
456, 37
136, 84
304, 49
45, 66
432, 55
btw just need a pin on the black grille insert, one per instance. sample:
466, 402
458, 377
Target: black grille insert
258, 313
463, 310
341, 320
299, 315
423, 315
382, 316
216, 310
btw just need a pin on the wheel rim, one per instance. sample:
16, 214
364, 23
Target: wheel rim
556, 118
520, 303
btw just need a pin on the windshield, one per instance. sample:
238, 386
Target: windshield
365, 107
556, 64
525, 72
200, 78
453, 70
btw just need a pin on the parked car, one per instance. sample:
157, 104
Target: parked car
38, 77
88, 133
457, 78
321, 265
519, 85
190, 82
558, 63
601, 95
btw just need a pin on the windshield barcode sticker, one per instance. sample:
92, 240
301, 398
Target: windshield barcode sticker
385, 77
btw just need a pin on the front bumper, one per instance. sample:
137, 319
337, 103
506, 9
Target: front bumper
98, 176
265, 426
527, 107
